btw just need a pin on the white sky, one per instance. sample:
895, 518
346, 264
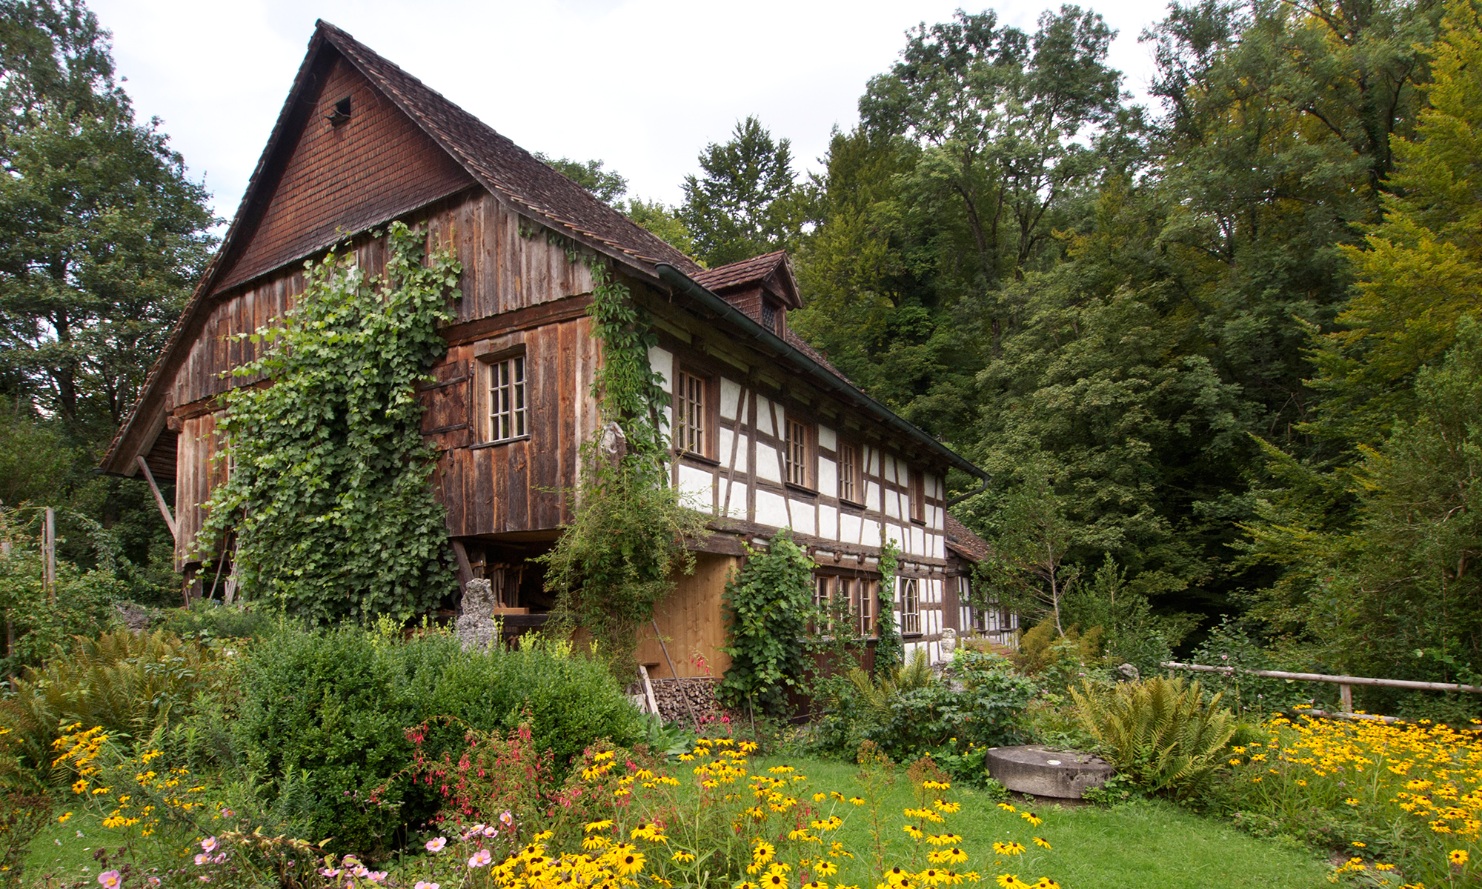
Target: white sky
643, 85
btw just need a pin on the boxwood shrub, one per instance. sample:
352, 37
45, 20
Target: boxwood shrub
322, 715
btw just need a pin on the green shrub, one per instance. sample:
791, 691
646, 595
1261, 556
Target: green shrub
208, 619
323, 715
127, 683
980, 703
1158, 732
35, 624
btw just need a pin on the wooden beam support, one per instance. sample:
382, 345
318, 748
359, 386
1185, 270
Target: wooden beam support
159, 499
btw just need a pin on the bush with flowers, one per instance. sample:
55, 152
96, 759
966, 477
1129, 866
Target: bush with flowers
1404, 800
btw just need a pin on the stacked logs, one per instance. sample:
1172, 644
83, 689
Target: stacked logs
679, 698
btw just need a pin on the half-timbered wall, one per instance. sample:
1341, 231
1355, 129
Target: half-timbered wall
743, 477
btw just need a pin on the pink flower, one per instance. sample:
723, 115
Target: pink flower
491, 832
436, 844
202, 858
208, 844
481, 858
376, 876
330, 872
154, 881
423, 884
507, 819
109, 879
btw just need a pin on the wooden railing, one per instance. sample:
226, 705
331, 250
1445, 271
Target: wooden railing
1345, 683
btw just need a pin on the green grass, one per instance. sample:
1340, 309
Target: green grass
1141, 845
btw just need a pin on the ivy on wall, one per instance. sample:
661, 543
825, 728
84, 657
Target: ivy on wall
890, 650
769, 605
625, 545
330, 494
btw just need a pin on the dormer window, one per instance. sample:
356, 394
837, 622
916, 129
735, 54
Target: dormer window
770, 315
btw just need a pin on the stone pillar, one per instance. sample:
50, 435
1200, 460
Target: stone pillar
476, 626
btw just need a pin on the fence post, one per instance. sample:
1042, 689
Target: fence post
1345, 694
49, 554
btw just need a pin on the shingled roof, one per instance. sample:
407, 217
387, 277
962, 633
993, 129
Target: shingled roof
506, 170
961, 540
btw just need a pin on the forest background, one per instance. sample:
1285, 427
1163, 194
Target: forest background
1218, 354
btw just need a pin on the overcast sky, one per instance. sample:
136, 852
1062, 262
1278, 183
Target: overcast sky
643, 85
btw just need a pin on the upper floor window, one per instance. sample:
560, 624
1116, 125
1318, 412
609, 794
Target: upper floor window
850, 484
508, 414
910, 608
798, 451
918, 496
693, 428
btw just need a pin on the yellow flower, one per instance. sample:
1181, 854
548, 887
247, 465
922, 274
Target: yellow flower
1042, 842
79, 786
1007, 808
1459, 857
592, 826
626, 860
682, 856
64, 817
913, 831
1033, 819
826, 868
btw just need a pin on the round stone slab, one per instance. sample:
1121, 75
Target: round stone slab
1041, 771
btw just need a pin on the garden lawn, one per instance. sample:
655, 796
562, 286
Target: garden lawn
1140, 845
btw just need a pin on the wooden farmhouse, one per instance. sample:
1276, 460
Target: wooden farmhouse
768, 434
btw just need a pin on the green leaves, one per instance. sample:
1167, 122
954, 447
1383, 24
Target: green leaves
330, 494
747, 201
769, 604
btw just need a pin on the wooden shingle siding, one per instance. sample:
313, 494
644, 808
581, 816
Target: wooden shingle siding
345, 178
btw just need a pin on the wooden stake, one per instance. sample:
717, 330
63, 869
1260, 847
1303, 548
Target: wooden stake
49, 553
694, 720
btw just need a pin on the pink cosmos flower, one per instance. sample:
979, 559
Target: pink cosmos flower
481, 858
507, 819
109, 879
202, 858
436, 844
208, 844
491, 832
423, 884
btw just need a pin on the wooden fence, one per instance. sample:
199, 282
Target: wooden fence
1345, 683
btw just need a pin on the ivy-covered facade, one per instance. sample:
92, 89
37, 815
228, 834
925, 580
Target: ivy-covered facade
758, 431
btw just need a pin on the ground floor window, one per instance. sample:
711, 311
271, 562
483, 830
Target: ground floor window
848, 600
910, 608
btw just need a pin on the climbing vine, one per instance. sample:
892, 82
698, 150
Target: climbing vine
626, 542
769, 604
329, 494
890, 649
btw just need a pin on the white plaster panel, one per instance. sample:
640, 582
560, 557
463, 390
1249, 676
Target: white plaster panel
662, 361
872, 496
730, 399
918, 540
911, 647
767, 466
826, 438
869, 532
738, 501
849, 528
696, 487
828, 522
893, 504
828, 476
892, 467
804, 517
771, 510
743, 454
726, 439
764, 416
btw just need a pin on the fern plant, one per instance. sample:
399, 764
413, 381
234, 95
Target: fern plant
1160, 733
129, 684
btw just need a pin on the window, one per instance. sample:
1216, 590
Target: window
692, 426
847, 599
798, 454
849, 473
508, 411
918, 496
910, 608
862, 605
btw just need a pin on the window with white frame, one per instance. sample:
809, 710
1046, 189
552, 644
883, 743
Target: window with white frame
508, 415
910, 608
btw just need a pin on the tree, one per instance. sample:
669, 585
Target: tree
607, 185
747, 200
663, 221
101, 233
